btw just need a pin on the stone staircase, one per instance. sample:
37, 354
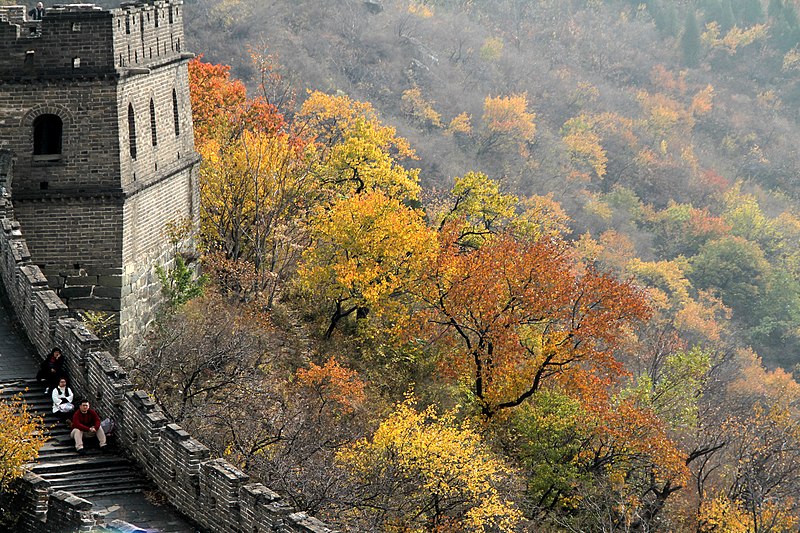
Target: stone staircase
108, 479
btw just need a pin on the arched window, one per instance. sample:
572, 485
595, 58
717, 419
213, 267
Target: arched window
153, 123
132, 130
175, 115
47, 130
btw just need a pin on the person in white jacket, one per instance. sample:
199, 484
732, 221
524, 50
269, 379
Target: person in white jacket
62, 399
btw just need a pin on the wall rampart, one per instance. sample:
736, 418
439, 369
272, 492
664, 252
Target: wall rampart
214, 493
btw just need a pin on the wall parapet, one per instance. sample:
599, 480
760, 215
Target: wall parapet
211, 491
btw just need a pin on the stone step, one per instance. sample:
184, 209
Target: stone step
88, 475
78, 463
101, 487
83, 472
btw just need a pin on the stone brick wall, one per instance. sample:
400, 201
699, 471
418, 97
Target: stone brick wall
69, 513
95, 212
148, 34
210, 491
46, 48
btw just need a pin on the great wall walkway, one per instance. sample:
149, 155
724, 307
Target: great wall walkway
110, 481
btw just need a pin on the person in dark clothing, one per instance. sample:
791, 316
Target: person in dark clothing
37, 13
52, 370
86, 423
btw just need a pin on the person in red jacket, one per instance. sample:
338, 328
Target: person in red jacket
86, 423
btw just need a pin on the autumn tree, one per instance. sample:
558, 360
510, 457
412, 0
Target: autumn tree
514, 313
290, 439
478, 206
748, 220
506, 120
420, 110
365, 251
585, 149
681, 229
751, 481
22, 434
357, 153
220, 106
254, 190
590, 452
425, 471
254, 177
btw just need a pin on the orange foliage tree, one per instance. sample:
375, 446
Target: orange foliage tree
221, 107
514, 313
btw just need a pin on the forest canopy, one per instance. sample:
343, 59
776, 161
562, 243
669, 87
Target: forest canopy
506, 265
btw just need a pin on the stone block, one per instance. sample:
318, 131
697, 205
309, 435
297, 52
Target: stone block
80, 281
110, 281
105, 292
75, 292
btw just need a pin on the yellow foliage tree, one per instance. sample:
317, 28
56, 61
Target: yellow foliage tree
541, 216
666, 276
734, 39
460, 124
423, 471
253, 188
418, 109
665, 117
22, 433
478, 207
356, 152
584, 145
365, 250
747, 220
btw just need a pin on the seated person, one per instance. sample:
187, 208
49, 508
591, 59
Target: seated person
62, 400
52, 370
86, 423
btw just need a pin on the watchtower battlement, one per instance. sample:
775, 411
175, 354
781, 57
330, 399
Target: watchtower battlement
80, 40
148, 33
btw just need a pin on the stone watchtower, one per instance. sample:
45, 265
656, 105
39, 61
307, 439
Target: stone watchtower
94, 107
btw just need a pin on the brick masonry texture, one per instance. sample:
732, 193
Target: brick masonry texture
118, 82
93, 215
